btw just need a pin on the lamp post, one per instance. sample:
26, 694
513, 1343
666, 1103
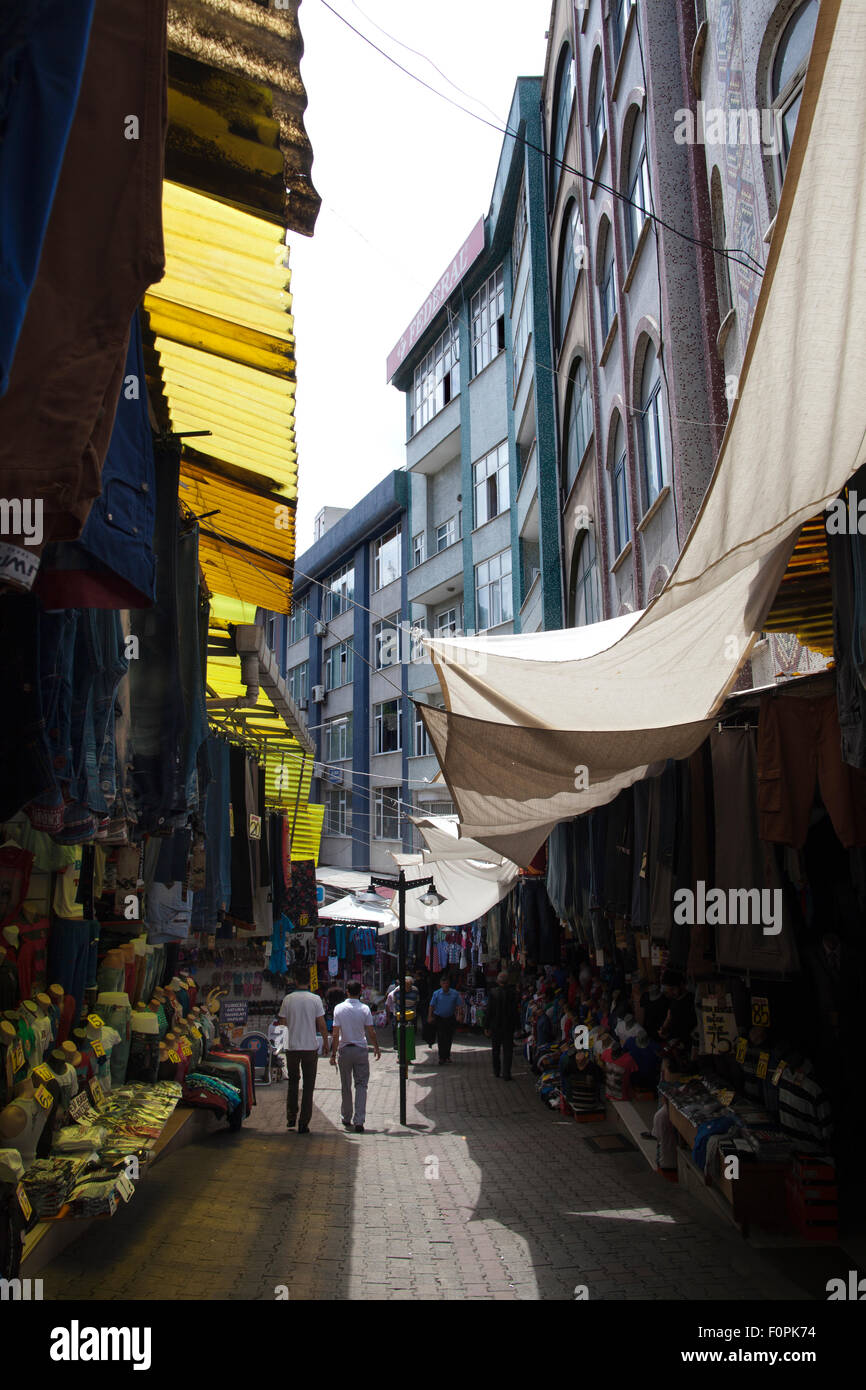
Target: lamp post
403, 884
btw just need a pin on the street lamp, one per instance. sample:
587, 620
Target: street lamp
430, 899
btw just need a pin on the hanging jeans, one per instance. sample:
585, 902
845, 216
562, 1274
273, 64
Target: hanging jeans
115, 1011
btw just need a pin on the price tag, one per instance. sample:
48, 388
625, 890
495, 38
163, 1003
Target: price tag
599, 958
644, 946
44, 1072
173, 1057
656, 957
80, 1109
185, 1048
314, 978
95, 1021
96, 1093
125, 1187
17, 1056
98, 1050
112, 1204
45, 1098
725, 1097
777, 1074
255, 827
761, 1069
23, 1202
760, 1011
741, 1049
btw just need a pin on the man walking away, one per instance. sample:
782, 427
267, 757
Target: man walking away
445, 1009
353, 1030
502, 1019
304, 1014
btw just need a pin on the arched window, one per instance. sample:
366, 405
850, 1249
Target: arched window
597, 117
562, 115
652, 431
584, 600
619, 488
788, 75
606, 284
720, 240
637, 188
571, 253
618, 19
578, 421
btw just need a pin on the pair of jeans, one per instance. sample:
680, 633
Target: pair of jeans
190, 664
72, 948
35, 708
298, 1062
502, 1047
213, 899
98, 667
354, 1063
154, 678
143, 1063
119, 1017
112, 565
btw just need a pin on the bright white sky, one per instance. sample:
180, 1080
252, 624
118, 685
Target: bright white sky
403, 178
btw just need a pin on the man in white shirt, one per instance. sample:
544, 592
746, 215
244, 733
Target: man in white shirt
304, 1015
353, 1029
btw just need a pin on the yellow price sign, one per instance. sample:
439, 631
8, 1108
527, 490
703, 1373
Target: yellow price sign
761, 1069
314, 977
98, 1050
17, 1057
97, 1094
777, 1074
43, 1097
741, 1049
760, 1011
185, 1048
44, 1072
173, 1057
95, 1021
23, 1202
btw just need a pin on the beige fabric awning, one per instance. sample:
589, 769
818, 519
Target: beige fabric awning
525, 716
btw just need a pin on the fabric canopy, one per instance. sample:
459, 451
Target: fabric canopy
468, 876
539, 728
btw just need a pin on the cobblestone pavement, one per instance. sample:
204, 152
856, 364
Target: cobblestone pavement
521, 1208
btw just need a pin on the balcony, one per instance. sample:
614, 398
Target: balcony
439, 578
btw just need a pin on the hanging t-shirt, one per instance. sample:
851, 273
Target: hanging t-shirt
617, 1071
333, 964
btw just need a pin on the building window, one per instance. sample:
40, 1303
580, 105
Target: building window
585, 597
493, 591
437, 378
488, 321
521, 333
338, 739
597, 115
340, 593
491, 484
618, 20
571, 257
387, 727
652, 433
421, 740
619, 488
386, 813
299, 624
723, 271
637, 186
339, 665
789, 74
299, 682
387, 556
338, 811
562, 117
449, 622
606, 282
419, 548
520, 225
386, 642
446, 534
578, 421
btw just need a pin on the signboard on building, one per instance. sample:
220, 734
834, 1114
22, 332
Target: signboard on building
468, 253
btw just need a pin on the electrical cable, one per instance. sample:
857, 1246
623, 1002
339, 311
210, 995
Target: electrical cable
755, 265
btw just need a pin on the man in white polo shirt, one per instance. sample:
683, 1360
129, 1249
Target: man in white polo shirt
304, 1014
353, 1028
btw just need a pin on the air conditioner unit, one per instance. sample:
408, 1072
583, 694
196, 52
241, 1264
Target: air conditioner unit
318, 694
320, 628
303, 703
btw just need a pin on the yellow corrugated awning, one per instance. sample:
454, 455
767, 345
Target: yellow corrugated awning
224, 335
288, 768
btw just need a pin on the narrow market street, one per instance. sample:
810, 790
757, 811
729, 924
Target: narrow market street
522, 1208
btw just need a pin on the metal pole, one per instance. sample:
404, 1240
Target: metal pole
401, 1030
